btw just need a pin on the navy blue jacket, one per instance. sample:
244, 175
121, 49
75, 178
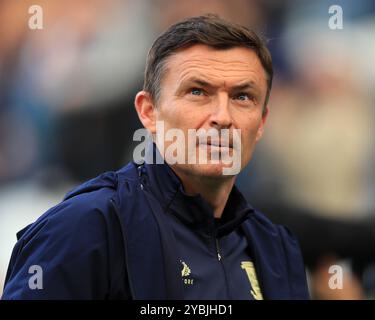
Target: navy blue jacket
110, 239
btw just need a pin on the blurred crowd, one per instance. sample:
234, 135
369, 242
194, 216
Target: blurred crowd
66, 115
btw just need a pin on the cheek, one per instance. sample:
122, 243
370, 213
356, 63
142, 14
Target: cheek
249, 135
180, 116
169, 116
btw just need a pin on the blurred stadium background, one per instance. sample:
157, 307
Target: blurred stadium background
66, 114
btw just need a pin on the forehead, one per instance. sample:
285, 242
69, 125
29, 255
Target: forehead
228, 66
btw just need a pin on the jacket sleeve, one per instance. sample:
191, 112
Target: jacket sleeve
295, 264
64, 255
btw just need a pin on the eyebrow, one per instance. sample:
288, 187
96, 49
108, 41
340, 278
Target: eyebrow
201, 82
245, 86
198, 81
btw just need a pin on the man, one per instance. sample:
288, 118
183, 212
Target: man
181, 229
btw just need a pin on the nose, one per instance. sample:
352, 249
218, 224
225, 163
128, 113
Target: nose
221, 116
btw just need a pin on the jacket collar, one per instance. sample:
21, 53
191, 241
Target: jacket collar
193, 211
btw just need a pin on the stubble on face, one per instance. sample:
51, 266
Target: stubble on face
204, 88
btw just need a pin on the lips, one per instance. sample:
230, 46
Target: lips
219, 145
216, 143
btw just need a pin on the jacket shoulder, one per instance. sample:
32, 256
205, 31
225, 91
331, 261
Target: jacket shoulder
73, 243
278, 240
282, 231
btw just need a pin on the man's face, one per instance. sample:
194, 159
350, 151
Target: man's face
205, 88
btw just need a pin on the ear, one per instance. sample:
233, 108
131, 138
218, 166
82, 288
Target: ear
261, 126
146, 110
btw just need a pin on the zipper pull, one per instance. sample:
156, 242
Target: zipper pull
140, 168
218, 249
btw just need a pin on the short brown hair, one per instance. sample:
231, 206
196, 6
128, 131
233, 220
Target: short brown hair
209, 30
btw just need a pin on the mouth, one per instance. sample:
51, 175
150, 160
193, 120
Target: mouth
217, 144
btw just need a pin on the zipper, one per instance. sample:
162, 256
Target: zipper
220, 260
131, 287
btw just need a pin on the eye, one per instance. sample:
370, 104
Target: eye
196, 92
242, 96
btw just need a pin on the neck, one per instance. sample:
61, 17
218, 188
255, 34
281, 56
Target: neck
214, 190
